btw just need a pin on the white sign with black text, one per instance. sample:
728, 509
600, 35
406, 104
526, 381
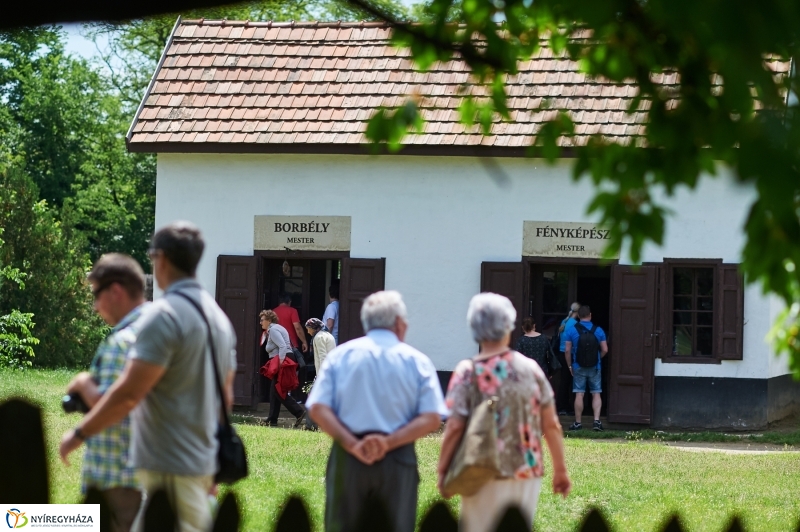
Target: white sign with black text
307, 233
563, 239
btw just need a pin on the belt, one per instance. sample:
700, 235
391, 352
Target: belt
362, 435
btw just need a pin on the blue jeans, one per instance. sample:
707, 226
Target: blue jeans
581, 375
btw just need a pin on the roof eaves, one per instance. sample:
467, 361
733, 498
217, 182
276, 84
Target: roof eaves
152, 83
336, 149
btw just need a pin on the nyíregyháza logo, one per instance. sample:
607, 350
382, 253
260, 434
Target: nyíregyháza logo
16, 518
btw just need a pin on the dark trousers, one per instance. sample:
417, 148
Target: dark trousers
275, 402
352, 489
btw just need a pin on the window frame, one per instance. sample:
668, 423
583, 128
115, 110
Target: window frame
667, 290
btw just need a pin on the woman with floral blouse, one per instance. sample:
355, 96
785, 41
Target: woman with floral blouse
525, 411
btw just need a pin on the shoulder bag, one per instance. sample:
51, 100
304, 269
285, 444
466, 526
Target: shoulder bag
231, 457
476, 461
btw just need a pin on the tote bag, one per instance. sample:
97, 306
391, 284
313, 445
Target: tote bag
476, 460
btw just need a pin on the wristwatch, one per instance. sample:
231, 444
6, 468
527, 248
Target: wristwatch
79, 433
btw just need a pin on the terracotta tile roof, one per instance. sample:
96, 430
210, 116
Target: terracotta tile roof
238, 86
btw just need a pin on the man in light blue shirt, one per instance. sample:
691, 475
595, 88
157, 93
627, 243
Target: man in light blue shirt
331, 316
375, 396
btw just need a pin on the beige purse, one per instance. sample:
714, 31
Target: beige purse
476, 460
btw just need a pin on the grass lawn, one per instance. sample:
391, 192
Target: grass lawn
637, 484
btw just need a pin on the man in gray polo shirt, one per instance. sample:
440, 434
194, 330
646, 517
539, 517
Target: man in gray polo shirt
170, 376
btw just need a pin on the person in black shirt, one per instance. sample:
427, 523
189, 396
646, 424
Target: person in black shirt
534, 345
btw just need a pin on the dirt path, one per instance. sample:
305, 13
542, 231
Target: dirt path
731, 448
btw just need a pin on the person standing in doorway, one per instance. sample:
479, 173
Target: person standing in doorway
563, 381
322, 342
290, 320
375, 396
118, 286
169, 383
534, 344
588, 343
331, 316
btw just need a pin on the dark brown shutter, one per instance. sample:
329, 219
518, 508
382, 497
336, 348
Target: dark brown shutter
632, 344
236, 294
360, 278
729, 312
506, 279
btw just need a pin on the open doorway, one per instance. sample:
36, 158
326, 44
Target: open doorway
308, 282
553, 288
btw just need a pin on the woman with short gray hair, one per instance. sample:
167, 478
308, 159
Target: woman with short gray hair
526, 411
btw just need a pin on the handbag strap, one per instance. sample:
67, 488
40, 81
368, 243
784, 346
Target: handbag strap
213, 355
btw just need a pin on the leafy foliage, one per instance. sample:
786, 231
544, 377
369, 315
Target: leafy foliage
728, 109
16, 338
55, 290
65, 125
134, 47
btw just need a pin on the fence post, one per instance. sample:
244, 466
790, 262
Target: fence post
23, 456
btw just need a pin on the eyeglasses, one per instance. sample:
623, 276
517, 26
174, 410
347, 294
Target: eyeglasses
153, 253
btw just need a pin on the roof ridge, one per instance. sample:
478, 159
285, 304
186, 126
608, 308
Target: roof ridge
290, 24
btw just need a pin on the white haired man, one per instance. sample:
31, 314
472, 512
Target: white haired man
375, 396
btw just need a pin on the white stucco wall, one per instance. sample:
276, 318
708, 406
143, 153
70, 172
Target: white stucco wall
435, 219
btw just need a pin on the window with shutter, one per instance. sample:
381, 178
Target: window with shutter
702, 311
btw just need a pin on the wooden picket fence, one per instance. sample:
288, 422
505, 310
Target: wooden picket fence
24, 479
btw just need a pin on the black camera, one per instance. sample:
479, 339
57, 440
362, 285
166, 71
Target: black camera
73, 403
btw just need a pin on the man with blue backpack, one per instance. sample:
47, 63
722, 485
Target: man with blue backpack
584, 349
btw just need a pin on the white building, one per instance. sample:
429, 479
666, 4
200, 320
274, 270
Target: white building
258, 130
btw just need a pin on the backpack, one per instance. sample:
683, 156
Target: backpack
588, 346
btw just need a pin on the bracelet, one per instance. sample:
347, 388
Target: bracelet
79, 433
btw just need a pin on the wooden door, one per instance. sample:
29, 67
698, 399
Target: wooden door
360, 278
506, 279
553, 288
238, 297
632, 343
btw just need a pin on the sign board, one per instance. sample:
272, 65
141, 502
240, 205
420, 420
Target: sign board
306, 233
563, 239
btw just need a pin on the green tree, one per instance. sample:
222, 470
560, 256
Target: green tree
16, 336
63, 119
729, 109
55, 289
134, 47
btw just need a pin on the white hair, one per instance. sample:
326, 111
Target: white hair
381, 310
490, 316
